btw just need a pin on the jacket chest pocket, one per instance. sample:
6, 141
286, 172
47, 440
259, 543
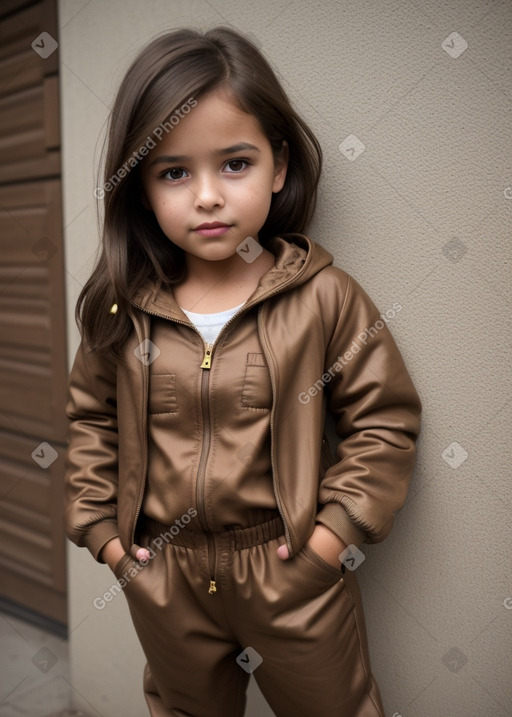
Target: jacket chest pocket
257, 388
162, 394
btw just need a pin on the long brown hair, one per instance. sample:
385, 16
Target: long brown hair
173, 71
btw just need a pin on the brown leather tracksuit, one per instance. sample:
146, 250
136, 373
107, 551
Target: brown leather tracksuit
234, 464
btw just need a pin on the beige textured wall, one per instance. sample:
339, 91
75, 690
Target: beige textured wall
419, 217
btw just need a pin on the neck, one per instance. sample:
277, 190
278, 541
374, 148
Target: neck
233, 270
211, 272
210, 286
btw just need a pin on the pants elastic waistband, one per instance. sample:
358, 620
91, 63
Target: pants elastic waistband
239, 537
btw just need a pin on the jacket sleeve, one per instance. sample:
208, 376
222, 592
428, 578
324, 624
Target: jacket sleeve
377, 414
91, 478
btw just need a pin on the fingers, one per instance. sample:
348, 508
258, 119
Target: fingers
283, 553
139, 553
143, 554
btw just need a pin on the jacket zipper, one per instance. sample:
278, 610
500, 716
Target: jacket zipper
205, 412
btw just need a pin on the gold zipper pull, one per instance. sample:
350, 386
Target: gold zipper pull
207, 358
213, 588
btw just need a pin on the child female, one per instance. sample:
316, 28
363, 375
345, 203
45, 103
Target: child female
216, 338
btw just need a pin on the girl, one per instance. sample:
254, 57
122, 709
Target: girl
216, 338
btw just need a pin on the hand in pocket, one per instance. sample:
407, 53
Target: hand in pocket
113, 551
324, 543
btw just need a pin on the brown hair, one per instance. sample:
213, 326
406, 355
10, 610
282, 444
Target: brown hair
172, 71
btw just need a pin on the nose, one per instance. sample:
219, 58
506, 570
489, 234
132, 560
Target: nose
208, 193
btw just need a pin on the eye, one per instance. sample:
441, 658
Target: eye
174, 174
237, 165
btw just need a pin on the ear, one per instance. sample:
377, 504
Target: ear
280, 168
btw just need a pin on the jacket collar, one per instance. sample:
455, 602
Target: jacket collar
297, 259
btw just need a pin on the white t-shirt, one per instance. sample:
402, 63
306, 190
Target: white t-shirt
210, 325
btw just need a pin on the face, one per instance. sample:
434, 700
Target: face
215, 167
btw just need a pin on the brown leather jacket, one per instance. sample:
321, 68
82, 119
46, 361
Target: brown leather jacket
329, 353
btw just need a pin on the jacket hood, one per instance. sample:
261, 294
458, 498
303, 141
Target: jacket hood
297, 259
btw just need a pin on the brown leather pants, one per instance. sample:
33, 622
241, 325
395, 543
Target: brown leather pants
297, 624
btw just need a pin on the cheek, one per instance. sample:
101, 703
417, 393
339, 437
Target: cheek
167, 210
259, 192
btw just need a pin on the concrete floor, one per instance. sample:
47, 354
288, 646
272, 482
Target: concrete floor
34, 673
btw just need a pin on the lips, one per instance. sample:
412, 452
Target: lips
213, 225
212, 229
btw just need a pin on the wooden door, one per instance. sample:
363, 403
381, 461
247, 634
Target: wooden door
33, 363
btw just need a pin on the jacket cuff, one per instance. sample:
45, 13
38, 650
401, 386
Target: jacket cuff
98, 536
335, 517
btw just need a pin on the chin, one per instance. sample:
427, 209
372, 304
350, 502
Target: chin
223, 257
218, 251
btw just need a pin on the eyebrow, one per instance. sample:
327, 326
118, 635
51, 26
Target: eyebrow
164, 159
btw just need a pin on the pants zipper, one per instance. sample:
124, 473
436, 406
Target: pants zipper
211, 552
